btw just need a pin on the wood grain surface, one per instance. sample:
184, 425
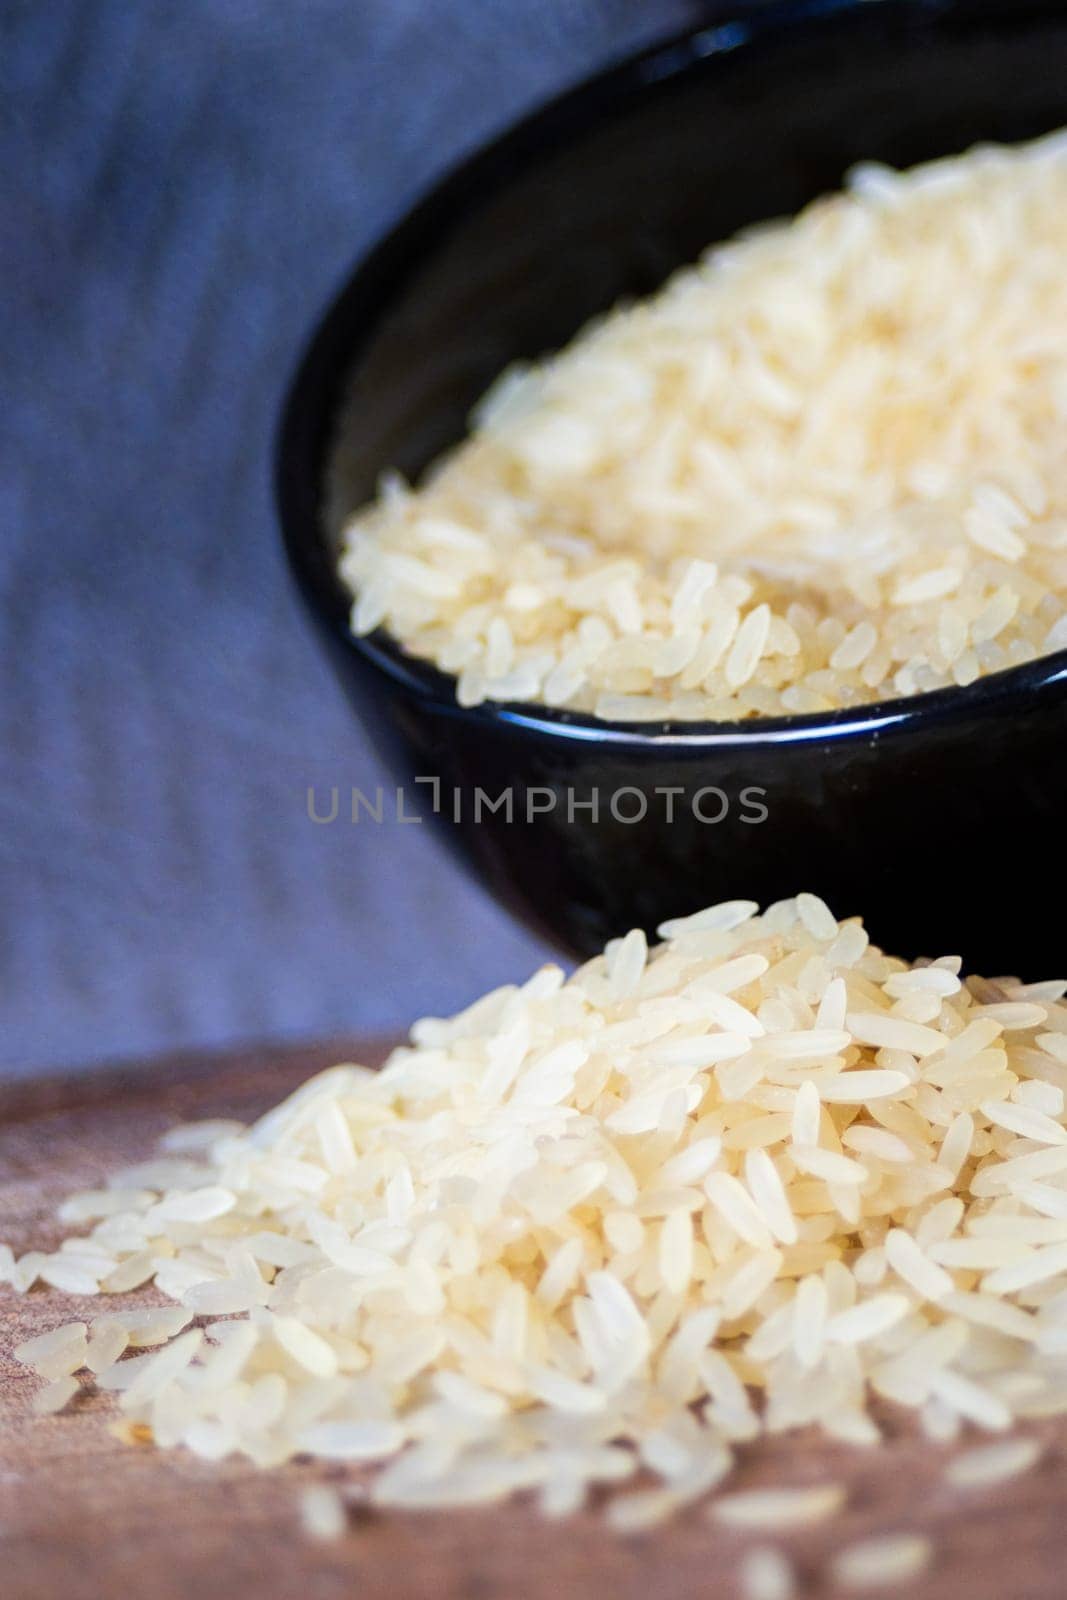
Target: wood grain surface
84, 1517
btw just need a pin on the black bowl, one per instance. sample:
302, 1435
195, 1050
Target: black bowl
939, 816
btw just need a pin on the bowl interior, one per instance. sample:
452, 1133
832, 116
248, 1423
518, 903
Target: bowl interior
603, 194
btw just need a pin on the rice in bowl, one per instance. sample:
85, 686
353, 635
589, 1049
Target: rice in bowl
822, 467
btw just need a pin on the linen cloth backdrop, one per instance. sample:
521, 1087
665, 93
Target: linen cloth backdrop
181, 188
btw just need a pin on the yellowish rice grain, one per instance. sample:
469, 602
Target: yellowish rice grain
883, 1562
821, 467
544, 1250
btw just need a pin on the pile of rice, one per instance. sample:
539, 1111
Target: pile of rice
604, 1230
824, 466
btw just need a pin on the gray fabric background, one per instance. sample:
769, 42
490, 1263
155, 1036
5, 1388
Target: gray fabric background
181, 186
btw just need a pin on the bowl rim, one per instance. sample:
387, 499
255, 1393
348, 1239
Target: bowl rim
307, 426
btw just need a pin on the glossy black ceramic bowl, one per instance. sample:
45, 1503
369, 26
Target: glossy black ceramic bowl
938, 817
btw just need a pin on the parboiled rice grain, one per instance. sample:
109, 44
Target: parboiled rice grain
766, 1574
993, 1463
882, 1562
504, 1290
778, 1509
821, 467
322, 1512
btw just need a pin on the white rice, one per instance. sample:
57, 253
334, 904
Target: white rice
106, 1343
56, 1342
155, 1326
55, 1395
322, 1512
821, 467
975, 1469
766, 1574
544, 1248
778, 1509
882, 1562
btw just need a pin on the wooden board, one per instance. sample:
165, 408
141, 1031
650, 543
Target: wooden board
83, 1517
